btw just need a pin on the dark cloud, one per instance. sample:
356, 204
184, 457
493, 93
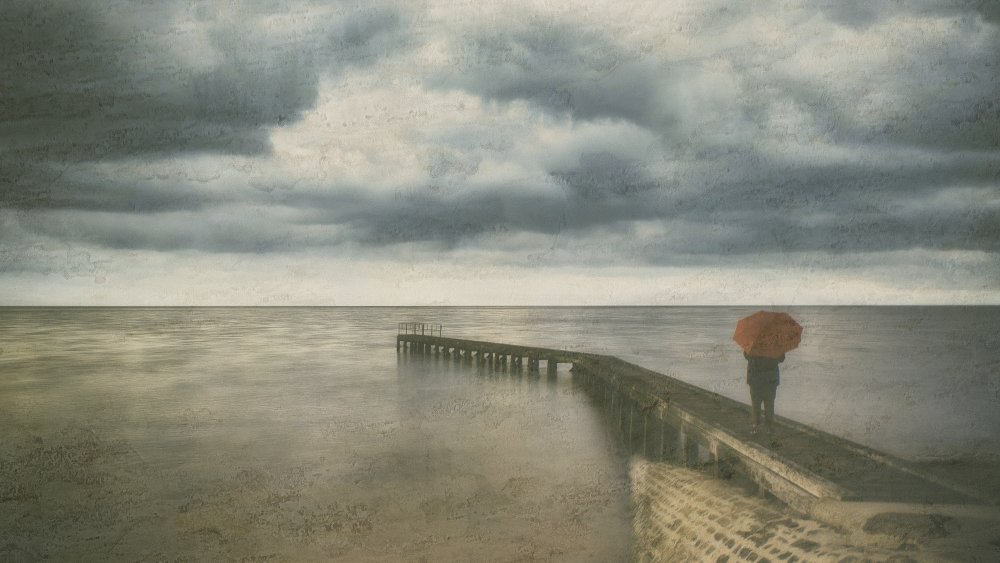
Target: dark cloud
886, 203
939, 94
989, 10
935, 100
564, 69
928, 78
604, 174
89, 81
767, 207
425, 218
85, 86
735, 235
855, 13
34, 187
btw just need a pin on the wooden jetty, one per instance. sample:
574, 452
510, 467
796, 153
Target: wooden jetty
664, 418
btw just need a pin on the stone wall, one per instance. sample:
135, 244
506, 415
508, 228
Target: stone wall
684, 515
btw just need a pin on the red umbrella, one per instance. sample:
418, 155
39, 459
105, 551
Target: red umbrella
768, 333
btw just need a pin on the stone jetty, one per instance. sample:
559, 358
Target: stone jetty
834, 482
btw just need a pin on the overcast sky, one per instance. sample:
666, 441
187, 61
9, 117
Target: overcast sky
467, 152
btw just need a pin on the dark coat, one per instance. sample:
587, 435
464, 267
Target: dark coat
763, 371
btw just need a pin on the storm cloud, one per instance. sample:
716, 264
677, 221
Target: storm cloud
564, 70
678, 134
93, 80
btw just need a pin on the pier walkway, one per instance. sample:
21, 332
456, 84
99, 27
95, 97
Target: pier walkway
665, 418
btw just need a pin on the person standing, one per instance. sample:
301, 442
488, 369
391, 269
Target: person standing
763, 378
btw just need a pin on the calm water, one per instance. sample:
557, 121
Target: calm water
298, 434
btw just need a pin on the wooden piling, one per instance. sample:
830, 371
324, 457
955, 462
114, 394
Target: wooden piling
690, 449
645, 434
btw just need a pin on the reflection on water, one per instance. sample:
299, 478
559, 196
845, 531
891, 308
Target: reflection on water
299, 434
230, 434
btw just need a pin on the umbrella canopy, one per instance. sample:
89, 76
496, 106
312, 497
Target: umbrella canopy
768, 333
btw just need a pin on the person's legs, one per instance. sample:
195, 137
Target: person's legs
767, 397
755, 401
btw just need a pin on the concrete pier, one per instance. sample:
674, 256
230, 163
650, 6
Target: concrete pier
663, 418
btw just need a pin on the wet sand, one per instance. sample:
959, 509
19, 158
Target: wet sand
78, 495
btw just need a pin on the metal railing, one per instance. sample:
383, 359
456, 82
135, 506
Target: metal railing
419, 328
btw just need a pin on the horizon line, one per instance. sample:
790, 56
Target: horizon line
95, 306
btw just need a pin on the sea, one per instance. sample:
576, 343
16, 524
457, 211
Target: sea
274, 434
